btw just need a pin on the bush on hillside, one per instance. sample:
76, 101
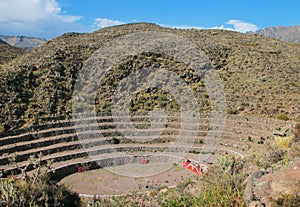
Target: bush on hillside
283, 117
115, 141
36, 189
222, 186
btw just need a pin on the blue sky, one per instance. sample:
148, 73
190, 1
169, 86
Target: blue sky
51, 18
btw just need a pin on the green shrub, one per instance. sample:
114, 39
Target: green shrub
36, 189
194, 152
206, 95
42, 193
114, 141
231, 111
107, 110
283, 117
36, 73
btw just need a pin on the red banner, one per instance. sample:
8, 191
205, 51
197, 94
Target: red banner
195, 168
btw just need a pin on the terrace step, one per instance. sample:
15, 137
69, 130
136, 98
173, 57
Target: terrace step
105, 151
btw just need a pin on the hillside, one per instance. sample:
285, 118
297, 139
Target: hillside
284, 33
8, 52
2, 42
260, 75
23, 42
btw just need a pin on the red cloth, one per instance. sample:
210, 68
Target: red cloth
144, 161
196, 169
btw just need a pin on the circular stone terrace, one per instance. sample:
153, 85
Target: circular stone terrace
107, 167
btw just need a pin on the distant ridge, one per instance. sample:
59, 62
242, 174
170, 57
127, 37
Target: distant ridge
23, 42
284, 33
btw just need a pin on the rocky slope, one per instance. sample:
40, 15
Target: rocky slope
23, 42
284, 33
263, 187
8, 52
260, 75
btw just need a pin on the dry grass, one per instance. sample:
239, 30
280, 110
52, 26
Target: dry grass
285, 142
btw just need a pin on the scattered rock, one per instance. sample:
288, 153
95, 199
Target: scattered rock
250, 182
164, 190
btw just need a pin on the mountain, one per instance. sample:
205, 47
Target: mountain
284, 33
23, 42
260, 75
8, 52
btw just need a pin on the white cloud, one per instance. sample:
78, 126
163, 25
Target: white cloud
35, 18
242, 26
104, 22
238, 26
194, 27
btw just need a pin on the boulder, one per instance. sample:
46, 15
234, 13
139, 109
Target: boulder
273, 185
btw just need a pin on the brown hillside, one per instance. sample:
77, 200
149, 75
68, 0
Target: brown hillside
261, 75
8, 52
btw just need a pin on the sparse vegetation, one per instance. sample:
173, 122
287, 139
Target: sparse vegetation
272, 157
221, 187
284, 142
283, 117
43, 193
36, 190
49, 86
288, 200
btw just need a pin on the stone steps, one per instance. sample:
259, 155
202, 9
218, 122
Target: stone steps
106, 151
169, 134
59, 141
